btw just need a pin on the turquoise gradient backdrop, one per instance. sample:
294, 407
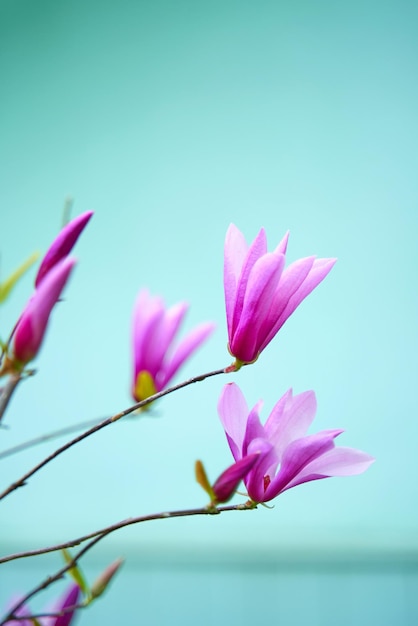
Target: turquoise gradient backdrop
171, 120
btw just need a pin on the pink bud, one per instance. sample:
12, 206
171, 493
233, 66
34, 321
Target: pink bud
227, 483
101, 583
31, 327
62, 244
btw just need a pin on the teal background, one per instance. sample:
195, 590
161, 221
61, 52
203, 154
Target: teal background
171, 120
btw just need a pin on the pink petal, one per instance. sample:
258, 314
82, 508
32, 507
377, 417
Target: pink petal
262, 284
233, 412
290, 419
297, 456
62, 244
282, 246
70, 598
147, 314
227, 483
235, 251
188, 345
172, 321
31, 327
161, 335
291, 279
254, 429
145, 309
254, 480
317, 273
339, 461
255, 252
23, 611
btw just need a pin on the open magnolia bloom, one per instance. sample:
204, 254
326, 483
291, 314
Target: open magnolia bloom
154, 327
287, 455
260, 294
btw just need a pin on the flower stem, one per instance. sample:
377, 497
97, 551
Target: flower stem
97, 536
54, 434
23, 479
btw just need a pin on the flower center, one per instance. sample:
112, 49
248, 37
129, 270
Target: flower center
145, 386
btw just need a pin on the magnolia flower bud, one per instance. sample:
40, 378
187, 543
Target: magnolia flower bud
101, 583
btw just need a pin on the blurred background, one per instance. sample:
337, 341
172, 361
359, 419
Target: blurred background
170, 120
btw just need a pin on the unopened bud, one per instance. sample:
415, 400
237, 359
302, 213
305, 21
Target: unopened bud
101, 583
227, 483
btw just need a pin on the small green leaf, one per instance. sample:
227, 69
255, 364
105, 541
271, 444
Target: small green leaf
203, 480
75, 572
7, 286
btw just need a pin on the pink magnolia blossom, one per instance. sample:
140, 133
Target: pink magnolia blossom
154, 327
62, 244
259, 293
31, 327
70, 598
287, 455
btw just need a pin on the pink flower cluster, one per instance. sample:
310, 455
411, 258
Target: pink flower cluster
260, 295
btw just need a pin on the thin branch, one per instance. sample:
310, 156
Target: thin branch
23, 479
101, 534
60, 432
55, 434
7, 392
68, 609
126, 522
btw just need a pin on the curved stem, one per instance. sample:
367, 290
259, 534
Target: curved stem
98, 536
126, 522
23, 479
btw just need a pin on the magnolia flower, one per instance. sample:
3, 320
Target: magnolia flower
154, 329
260, 294
30, 329
287, 455
62, 244
69, 599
